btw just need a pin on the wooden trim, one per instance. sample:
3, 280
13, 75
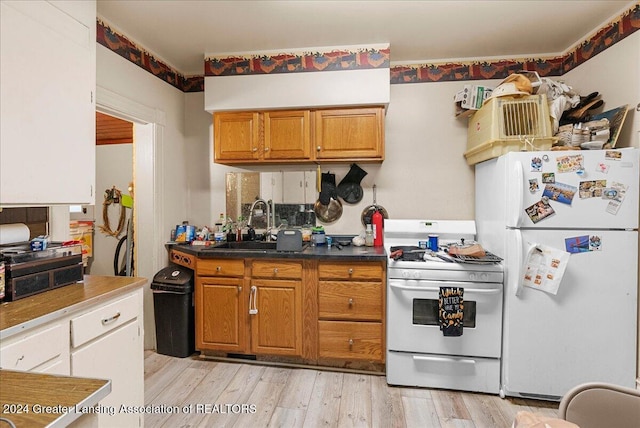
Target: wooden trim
111, 130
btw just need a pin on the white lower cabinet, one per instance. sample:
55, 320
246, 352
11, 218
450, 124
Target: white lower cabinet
102, 341
42, 350
115, 356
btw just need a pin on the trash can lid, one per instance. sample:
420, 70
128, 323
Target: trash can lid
175, 275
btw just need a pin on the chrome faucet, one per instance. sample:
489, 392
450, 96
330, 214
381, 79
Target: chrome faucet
269, 220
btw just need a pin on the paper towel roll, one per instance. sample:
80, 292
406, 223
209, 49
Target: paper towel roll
14, 232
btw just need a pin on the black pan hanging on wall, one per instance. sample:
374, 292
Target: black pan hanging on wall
327, 208
349, 188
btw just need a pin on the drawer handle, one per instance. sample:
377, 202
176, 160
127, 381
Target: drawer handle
350, 302
350, 271
218, 268
110, 319
275, 270
350, 343
19, 359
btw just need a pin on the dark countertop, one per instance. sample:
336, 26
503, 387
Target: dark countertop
348, 253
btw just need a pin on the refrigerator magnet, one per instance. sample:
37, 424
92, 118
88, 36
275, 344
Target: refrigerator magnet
613, 155
570, 163
577, 244
533, 185
602, 168
539, 211
548, 177
536, 164
592, 189
595, 243
560, 192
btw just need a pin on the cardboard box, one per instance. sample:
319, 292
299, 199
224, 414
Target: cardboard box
472, 97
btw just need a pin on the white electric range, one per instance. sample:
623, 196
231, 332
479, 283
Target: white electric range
418, 354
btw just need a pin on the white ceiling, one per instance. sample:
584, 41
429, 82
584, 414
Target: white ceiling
182, 32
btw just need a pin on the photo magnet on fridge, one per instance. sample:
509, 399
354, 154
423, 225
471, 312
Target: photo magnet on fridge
536, 164
560, 192
613, 155
533, 185
577, 244
592, 189
548, 177
539, 210
570, 163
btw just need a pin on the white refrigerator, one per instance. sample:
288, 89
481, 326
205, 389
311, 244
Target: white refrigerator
582, 205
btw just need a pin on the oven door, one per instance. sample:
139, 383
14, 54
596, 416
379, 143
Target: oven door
413, 323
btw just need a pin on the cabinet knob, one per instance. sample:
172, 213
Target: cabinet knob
350, 301
275, 270
318, 148
350, 271
266, 149
255, 149
350, 343
239, 288
218, 268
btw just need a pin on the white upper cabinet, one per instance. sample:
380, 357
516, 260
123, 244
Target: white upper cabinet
47, 126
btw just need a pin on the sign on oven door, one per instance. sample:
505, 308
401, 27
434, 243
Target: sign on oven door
413, 323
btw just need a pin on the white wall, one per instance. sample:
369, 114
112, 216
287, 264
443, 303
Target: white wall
124, 79
114, 167
615, 74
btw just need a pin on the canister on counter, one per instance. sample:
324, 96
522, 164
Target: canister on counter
433, 242
317, 236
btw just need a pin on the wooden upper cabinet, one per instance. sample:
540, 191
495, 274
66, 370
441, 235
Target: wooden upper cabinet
299, 136
237, 136
287, 135
352, 134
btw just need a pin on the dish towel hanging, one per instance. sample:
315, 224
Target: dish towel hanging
451, 310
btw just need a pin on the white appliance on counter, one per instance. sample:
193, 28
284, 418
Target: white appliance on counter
418, 354
588, 203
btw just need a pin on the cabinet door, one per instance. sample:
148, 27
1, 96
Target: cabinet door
118, 356
350, 134
276, 317
236, 136
221, 314
47, 131
287, 135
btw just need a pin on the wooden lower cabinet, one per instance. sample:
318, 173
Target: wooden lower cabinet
221, 323
276, 317
351, 311
350, 340
287, 310
259, 313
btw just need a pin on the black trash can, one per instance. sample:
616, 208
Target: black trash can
173, 310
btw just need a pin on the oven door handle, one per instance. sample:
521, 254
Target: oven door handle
444, 360
469, 290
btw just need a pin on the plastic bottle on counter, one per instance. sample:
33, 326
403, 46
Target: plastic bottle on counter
368, 236
378, 228
218, 231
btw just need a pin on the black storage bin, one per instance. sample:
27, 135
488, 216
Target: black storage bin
173, 310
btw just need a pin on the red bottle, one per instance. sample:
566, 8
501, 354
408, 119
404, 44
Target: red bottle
377, 220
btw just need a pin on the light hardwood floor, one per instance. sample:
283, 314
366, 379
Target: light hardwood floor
300, 397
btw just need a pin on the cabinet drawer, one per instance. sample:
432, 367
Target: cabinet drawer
276, 269
104, 319
350, 300
350, 270
350, 340
35, 349
183, 259
220, 267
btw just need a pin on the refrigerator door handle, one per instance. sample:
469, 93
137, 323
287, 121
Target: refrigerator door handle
519, 261
516, 180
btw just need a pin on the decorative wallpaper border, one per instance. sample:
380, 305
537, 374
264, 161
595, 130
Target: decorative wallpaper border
606, 37
335, 60
348, 59
130, 51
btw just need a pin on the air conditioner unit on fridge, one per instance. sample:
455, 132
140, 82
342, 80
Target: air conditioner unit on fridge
506, 124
